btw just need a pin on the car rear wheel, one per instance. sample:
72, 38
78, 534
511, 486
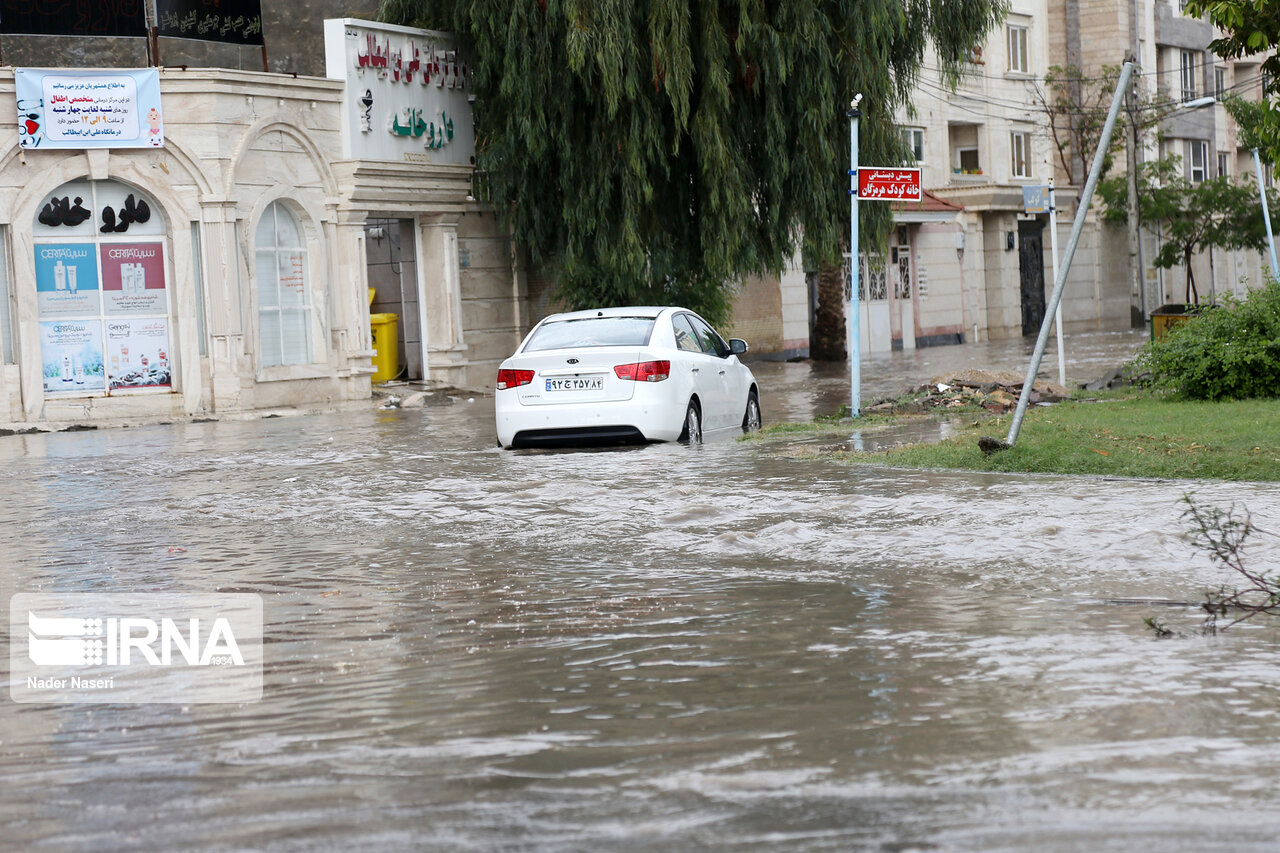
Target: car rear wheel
692, 433
751, 420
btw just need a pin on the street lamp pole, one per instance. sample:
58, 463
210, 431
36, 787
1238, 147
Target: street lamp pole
853, 322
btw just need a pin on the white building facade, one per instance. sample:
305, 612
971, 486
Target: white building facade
983, 270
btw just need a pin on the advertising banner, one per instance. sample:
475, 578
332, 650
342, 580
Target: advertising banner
52, 18
71, 351
138, 354
66, 280
231, 21
133, 278
89, 109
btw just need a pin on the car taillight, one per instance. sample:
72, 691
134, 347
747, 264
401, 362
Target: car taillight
644, 371
513, 378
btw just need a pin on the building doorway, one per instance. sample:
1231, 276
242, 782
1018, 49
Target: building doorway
393, 274
1031, 274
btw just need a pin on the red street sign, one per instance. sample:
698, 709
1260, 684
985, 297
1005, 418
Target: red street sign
876, 184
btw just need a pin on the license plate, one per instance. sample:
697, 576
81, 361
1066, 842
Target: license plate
576, 383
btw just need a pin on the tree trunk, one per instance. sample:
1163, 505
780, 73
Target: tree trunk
829, 333
1193, 296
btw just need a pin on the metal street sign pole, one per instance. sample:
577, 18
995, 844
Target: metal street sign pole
1053, 250
1060, 279
853, 321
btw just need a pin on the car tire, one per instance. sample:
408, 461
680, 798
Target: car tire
751, 419
692, 432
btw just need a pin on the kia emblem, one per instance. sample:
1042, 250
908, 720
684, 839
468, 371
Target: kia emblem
572, 361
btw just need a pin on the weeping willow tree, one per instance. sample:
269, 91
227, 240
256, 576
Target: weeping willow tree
655, 151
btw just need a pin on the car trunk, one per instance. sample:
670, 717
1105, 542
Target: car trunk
576, 376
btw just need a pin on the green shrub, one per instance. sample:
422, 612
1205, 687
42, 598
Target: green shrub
1231, 351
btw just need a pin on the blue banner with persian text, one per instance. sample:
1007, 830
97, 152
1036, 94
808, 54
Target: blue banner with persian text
116, 108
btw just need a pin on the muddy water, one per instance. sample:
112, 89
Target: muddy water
662, 648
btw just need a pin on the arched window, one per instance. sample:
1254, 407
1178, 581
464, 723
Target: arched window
284, 297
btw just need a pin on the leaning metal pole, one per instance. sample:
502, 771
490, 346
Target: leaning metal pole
1266, 215
1060, 279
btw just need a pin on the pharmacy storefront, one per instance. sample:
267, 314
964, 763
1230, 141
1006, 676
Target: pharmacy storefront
208, 252
175, 259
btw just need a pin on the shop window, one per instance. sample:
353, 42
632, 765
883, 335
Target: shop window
284, 298
102, 293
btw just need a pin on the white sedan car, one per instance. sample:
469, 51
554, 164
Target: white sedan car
624, 374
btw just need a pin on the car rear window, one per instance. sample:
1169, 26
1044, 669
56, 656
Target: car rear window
592, 332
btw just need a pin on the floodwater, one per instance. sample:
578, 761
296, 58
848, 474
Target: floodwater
660, 648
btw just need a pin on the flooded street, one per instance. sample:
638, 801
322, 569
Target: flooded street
657, 648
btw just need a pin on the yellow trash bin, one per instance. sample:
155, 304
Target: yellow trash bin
386, 360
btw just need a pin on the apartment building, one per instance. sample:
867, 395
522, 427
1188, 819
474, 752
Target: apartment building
982, 269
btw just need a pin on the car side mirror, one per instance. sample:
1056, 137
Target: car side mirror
737, 346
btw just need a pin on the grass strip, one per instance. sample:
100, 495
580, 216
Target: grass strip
1141, 435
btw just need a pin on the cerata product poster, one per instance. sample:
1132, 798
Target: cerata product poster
66, 279
133, 278
71, 351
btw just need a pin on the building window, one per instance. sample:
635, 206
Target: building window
1188, 60
914, 137
1219, 82
967, 160
1018, 49
1020, 144
284, 299
1224, 164
1197, 160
